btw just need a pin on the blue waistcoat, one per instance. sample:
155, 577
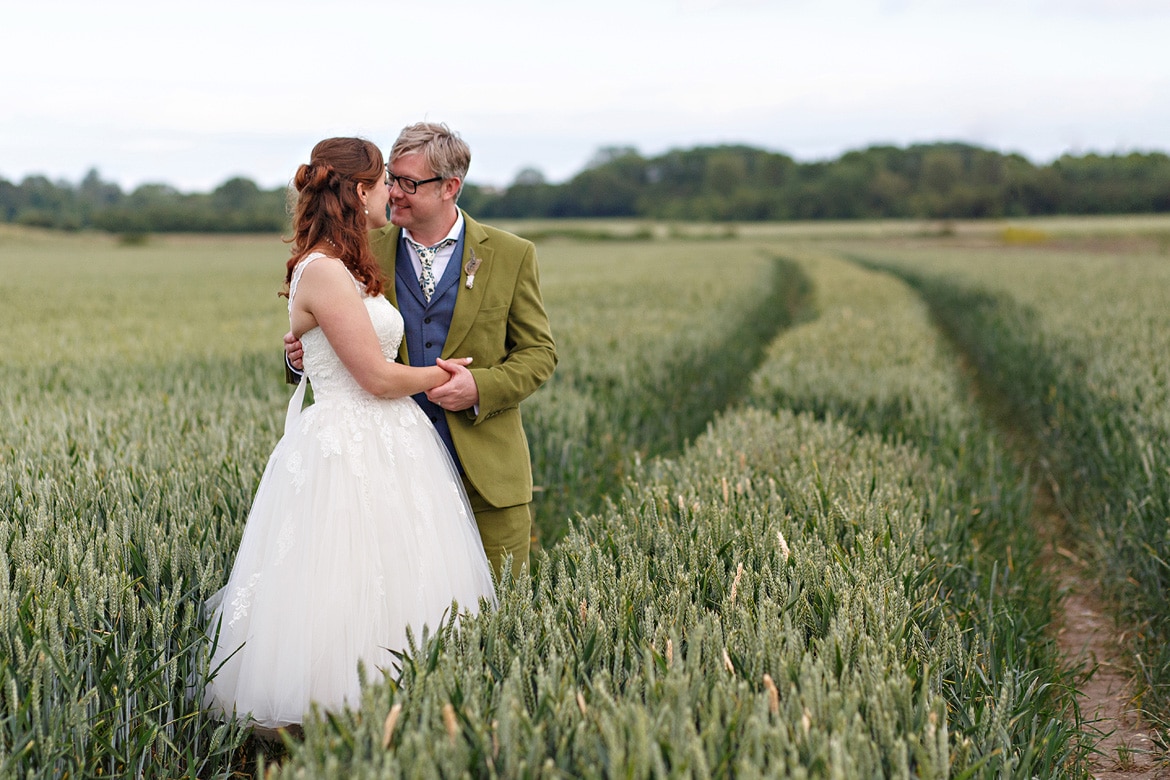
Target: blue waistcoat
427, 324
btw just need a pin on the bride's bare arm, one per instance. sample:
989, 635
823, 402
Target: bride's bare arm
326, 296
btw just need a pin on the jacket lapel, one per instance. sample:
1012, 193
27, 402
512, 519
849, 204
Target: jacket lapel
468, 302
384, 242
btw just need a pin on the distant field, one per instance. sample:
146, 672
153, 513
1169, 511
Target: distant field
779, 534
89, 299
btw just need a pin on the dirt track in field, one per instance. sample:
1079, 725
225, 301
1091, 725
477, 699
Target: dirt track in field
1088, 637
1085, 628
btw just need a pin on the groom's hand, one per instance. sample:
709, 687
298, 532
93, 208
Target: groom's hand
457, 393
293, 352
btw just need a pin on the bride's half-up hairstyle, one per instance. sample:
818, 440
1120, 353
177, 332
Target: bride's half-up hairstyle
328, 212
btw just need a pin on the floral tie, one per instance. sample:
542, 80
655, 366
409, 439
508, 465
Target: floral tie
426, 258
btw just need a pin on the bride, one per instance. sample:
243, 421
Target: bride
360, 526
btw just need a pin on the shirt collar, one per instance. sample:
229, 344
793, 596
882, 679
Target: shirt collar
452, 234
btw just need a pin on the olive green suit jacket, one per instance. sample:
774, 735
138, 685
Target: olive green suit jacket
502, 325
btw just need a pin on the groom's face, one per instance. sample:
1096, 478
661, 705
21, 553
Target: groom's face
426, 207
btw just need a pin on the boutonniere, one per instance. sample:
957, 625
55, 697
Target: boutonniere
471, 267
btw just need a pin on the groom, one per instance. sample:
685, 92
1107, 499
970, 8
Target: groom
466, 290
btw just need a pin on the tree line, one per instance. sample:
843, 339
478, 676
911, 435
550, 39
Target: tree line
714, 183
236, 206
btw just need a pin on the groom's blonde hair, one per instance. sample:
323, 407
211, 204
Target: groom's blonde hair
446, 153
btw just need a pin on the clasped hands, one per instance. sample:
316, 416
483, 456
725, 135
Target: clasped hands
459, 392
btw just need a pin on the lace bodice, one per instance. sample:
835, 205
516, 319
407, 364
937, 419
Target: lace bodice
323, 367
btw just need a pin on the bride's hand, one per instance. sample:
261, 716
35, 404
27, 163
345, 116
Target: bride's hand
452, 366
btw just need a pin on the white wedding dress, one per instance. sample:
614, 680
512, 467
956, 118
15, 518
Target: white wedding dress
359, 528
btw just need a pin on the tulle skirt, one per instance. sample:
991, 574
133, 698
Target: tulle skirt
359, 528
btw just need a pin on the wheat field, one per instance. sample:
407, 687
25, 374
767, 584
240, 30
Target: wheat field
779, 532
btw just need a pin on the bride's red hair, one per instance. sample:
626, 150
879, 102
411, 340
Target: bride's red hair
329, 212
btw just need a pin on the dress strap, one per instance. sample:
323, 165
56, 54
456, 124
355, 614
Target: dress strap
296, 275
298, 398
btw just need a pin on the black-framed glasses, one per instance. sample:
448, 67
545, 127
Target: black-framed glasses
409, 186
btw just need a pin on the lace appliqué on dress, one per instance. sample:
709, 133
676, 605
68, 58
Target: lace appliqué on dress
242, 599
296, 467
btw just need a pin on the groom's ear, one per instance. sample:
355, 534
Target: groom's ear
451, 187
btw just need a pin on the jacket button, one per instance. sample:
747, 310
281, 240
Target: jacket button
427, 321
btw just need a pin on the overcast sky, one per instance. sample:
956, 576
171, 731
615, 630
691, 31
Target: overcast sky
191, 94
